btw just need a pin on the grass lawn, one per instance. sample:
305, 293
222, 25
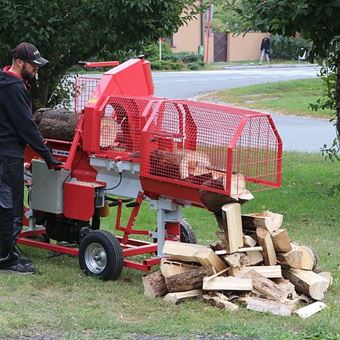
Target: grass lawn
60, 301
287, 97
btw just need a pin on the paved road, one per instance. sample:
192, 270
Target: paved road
191, 84
298, 134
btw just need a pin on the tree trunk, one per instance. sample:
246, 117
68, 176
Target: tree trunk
56, 123
154, 285
192, 279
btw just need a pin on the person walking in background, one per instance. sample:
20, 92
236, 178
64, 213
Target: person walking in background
265, 48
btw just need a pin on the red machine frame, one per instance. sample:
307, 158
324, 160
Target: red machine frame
86, 142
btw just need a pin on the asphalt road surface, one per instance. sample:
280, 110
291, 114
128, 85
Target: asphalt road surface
298, 134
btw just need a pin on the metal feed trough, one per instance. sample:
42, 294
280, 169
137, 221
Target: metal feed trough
130, 146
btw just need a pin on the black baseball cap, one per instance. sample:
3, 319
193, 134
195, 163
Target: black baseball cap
29, 53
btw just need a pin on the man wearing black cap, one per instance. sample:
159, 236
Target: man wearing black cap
17, 129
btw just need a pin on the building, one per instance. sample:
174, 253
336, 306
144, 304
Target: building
194, 37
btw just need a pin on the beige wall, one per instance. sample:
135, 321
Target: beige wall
211, 46
241, 48
188, 37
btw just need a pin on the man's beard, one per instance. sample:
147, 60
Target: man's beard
26, 75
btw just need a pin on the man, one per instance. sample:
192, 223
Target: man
265, 48
17, 129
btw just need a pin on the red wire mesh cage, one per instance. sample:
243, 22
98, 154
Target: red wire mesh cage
189, 146
84, 89
121, 123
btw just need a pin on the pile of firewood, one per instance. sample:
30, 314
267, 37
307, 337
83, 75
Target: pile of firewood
255, 264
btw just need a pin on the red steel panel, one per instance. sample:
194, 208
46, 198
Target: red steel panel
78, 201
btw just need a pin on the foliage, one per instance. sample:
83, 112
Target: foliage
225, 19
187, 57
68, 31
171, 60
283, 47
166, 65
151, 52
64, 93
195, 65
328, 74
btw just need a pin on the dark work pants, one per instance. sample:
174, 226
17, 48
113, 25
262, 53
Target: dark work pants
11, 204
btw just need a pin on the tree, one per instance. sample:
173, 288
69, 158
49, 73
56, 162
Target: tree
66, 31
313, 19
225, 19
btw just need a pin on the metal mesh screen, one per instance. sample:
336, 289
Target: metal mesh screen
122, 122
84, 89
257, 154
211, 147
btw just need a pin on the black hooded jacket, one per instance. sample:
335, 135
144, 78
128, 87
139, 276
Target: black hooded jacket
17, 127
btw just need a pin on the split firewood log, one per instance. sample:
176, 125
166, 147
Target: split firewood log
307, 282
310, 257
189, 280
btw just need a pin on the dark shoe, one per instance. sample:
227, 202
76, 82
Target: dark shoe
9, 260
22, 258
19, 268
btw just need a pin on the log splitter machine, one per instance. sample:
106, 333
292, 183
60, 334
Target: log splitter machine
130, 146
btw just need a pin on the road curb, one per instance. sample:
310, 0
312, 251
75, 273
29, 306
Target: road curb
265, 66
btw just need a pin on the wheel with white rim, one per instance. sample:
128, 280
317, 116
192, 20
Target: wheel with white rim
101, 255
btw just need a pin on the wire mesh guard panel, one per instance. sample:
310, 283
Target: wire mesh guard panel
84, 89
121, 124
211, 147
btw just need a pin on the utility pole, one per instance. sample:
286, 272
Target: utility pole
160, 48
208, 32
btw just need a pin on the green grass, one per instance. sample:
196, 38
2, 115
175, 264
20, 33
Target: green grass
62, 302
287, 97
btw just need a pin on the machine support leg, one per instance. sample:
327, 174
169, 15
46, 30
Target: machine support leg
167, 212
160, 231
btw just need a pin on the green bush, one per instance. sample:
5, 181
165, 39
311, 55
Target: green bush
166, 65
288, 47
194, 66
171, 60
186, 57
151, 52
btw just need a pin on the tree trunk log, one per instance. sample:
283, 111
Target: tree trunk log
56, 123
192, 279
154, 285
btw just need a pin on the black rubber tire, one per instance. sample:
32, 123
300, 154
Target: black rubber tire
187, 234
113, 252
